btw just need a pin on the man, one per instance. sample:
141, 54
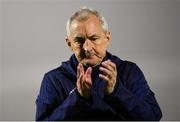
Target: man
94, 84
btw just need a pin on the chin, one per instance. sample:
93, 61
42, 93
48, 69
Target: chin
90, 63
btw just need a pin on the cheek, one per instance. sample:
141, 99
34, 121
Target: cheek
77, 51
100, 48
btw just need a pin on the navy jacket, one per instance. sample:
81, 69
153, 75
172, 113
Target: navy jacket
131, 99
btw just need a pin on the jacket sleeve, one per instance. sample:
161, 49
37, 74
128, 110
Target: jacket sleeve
52, 106
133, 98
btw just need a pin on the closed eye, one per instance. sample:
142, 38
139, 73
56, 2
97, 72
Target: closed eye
93, 38
79, 40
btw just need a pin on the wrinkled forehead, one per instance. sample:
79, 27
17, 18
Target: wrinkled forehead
89, 26
86, 19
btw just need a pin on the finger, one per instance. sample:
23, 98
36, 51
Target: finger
78, 71
81, 82
113, 65
105, 71
81, 68
105, 78
78, 76
88, 76
82, 72
106, 65
78, 83
87, 85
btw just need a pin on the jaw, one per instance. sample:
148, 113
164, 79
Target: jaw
92, 62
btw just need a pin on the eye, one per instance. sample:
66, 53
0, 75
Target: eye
79, 40
93, 38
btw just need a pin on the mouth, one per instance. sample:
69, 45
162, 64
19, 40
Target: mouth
91, 61
89, 57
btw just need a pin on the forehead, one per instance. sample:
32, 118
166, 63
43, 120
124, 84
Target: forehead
90, 26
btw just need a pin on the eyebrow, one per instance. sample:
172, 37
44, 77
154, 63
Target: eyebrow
82, 37
78, 37
94, 35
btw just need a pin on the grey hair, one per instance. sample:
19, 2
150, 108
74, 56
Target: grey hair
83, 14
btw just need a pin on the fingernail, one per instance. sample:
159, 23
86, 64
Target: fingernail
89, 68
100, 68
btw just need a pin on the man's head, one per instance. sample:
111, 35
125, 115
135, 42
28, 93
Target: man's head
88, 36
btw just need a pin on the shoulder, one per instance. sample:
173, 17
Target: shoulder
51, 77
131, 75
53, 72
128, 65
50, 87
127, 70
122, 64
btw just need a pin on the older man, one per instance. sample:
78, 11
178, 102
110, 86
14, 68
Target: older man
94, 84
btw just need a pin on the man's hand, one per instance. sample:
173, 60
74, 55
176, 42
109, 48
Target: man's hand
84, 81
109, 74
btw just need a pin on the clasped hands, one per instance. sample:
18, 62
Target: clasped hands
84, 80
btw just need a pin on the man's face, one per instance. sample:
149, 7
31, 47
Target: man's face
88, 41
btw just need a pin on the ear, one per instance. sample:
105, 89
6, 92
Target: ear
68, 43
107, 39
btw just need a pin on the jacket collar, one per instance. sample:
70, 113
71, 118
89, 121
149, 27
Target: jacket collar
70, 67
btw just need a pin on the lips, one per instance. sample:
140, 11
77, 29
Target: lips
89, 56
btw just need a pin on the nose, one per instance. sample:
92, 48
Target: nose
87, 46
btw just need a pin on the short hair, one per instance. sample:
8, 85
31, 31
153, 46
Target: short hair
83, 14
